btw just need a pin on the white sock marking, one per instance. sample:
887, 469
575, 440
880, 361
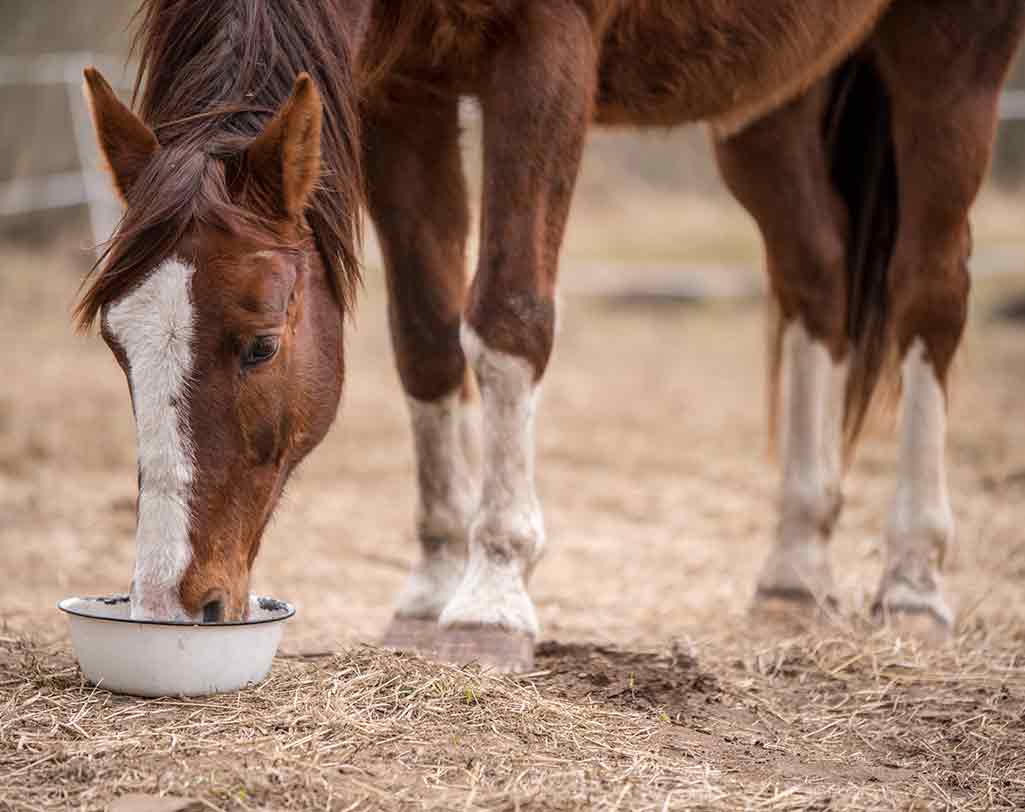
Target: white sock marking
154, 324
812, 425
921, 522
922, 500
447, 501
811, 437
507, 537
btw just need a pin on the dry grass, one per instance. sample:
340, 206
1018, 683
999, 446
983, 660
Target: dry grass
830, 720
659, 501
360, 727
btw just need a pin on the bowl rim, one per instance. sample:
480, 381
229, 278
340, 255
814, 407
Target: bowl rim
111, 600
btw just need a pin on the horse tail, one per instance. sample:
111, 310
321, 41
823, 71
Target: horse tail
858, 132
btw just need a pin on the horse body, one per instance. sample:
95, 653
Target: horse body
668, 63
856, 142
660, 62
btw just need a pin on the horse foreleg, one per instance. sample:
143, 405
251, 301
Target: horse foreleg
417, 198
536, 107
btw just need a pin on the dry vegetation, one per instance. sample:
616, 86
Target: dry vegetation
661, 692
830, 720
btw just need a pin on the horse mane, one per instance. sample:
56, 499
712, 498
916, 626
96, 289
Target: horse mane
211, 75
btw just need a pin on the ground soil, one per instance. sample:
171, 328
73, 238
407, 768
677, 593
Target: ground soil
656, 687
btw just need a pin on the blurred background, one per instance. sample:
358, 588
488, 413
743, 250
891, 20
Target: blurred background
647, 200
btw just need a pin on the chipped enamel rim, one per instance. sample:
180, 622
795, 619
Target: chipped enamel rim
277, 610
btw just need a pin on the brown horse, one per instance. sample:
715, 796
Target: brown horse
856, 132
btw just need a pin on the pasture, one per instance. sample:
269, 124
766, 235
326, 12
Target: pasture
656, 689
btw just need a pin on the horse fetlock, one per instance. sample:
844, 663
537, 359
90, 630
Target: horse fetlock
446, 524
514, 535
917, 545
492, 594
431, 583
913, 587
808, 510
922, 537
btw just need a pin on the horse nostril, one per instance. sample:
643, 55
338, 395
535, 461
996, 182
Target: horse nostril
213, 612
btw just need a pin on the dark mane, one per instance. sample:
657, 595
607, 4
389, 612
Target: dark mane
211, 75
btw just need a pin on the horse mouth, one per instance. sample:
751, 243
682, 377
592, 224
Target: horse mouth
213, 611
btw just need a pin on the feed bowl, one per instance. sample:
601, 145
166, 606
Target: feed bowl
158, 658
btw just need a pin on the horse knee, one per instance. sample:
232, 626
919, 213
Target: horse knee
428, 357
515, 323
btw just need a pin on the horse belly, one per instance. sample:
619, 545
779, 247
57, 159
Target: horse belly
667, 62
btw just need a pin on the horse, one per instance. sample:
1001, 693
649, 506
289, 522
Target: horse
855, 132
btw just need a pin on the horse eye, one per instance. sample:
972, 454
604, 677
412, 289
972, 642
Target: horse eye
260, 349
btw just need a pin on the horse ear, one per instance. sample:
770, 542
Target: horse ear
126, 142
283, 162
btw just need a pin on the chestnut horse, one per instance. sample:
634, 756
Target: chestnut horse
856, 132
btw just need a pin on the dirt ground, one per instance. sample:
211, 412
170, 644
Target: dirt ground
657, 690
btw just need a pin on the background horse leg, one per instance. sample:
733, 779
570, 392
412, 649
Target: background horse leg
778, 169
417, 197
536, 109
945, 93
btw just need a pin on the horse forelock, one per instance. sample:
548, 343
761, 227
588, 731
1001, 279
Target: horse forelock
211, 76
180, 188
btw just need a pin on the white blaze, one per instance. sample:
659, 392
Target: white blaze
155, 326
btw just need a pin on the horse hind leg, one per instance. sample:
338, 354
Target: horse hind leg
417, 199
533, 139
945, 98
928, 286
778, 169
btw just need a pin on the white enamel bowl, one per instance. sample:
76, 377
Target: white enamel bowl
156, 658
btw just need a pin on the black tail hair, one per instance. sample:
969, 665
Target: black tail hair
858, 131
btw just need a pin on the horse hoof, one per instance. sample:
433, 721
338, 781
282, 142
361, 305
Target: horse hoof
792, 603
488, 646
414, 634
923, 625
